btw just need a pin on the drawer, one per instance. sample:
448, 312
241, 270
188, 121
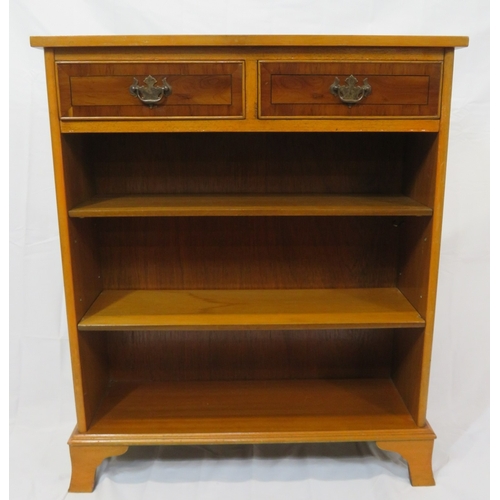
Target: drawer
192, 90
304, 89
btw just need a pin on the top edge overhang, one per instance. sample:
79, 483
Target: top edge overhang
249, 41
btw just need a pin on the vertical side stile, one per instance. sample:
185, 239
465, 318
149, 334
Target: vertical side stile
62, 213
436, 230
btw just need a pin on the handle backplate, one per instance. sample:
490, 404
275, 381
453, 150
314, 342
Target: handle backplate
350, 93
150, 94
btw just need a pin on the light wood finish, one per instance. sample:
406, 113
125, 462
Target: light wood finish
247, 53
76, 125
250, 261
250, 309
252, 49
249, 40
407, 368
255, 411
421, 243
84, 462
418, 455
149, 439
178, 205
81, 282
95, 371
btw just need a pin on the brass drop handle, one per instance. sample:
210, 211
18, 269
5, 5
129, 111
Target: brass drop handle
149, 94
351, 93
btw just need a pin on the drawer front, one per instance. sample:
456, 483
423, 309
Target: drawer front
194, 90
303, 89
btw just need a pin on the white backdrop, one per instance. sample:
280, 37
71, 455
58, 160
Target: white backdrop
41, 401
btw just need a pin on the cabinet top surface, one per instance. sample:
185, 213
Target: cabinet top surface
249, 41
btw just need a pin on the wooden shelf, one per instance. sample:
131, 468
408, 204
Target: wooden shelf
222, 205
225, 295
253, 411
250, 309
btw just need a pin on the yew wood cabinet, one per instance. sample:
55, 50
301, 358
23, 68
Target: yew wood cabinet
250, 231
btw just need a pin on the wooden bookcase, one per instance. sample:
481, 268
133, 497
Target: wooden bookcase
251, 258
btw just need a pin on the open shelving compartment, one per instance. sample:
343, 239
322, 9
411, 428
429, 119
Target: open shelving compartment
252, 287
250, 233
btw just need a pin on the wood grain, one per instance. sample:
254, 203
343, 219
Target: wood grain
249, 40
118, 125
250, 163
418, 455
248, 252
428, 249
95, 370
408, 356
84, 462
234, 205
415, 247
419, 174
254, 411
198, 89
79, 259
247, 355
250, 309
309, 316
247, 53
302, 89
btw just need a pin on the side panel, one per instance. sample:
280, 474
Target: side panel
419, 268
82, 282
